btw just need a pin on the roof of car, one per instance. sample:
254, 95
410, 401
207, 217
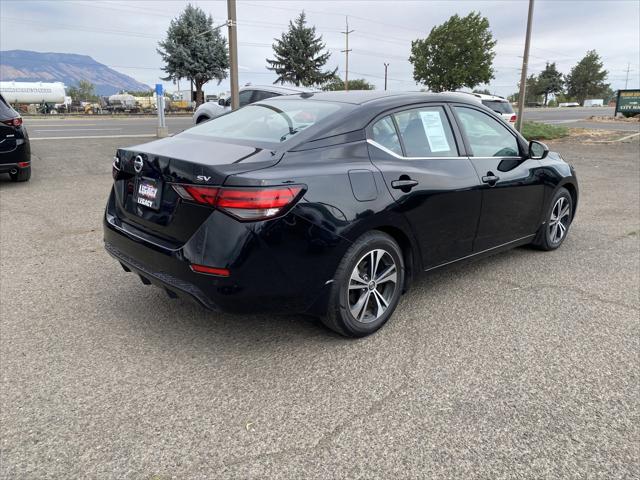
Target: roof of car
387, 99
484, 96
284, 90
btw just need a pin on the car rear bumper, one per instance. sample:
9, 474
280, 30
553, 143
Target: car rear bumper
19, 157
271, 268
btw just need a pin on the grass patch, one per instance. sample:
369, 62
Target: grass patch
542, 131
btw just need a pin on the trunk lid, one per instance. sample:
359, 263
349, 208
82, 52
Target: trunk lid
143, 188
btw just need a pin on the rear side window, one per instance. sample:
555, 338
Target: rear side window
384, 133
426, 132
498, 106
487, 137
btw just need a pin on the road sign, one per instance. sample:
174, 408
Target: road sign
159, 89
628, 102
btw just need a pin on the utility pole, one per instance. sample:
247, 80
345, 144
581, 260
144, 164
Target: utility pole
523, 75
386, 65
346, 52
626, 81
233, 53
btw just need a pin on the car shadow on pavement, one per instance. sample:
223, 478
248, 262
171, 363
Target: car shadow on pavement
182, 320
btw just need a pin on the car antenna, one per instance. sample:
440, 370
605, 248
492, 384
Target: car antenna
306, 95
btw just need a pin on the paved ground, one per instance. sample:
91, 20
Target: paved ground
520, 366
96, 125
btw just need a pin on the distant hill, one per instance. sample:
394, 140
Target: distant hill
69, 68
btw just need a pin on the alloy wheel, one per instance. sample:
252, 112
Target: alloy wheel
559, 221
372, 285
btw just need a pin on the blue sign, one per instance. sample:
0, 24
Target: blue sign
159, 89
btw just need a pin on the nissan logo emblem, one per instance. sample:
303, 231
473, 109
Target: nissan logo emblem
138, 163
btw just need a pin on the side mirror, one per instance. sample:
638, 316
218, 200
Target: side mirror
221, 102
537, 150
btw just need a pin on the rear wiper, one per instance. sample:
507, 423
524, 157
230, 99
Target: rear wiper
292, 131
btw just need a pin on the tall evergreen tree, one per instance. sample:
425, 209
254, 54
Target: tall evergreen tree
549, 82
587, 77
195, 50
298, 56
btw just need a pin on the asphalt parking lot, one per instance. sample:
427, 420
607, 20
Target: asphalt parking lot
524, 365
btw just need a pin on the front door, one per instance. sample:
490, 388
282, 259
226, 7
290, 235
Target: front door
512, 188
435, 187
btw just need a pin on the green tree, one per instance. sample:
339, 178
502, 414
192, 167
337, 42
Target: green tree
356, 84
459, 53
194, 50
298, 56
84, 92
587, 78
549, 82
532, 95
483, 91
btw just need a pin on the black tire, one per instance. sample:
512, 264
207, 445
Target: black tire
548, 238
202, 118
22, 175
339, 317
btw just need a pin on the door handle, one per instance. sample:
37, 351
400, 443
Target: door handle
490, 178
404, 184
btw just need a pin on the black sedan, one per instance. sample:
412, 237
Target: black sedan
331, 203
15, 152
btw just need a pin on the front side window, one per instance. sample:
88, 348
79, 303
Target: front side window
271, 121
487, 137
426, 132
384, 133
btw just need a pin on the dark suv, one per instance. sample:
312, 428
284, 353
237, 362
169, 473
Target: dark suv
15, 152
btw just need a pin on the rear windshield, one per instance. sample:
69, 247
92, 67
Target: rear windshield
498, 106
271, 121
5, 110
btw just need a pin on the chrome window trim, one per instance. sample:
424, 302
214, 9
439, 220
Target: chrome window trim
393, 154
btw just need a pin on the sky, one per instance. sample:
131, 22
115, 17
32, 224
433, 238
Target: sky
123, 34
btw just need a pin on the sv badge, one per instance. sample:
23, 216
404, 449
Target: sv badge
203, 178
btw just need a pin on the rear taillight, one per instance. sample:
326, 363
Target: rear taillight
243, 203
513, 118
13, 122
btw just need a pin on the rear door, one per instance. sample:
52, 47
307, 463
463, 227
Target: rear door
512, 187
434, 184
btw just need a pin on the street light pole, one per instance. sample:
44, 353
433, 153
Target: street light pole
523, 75
233, 53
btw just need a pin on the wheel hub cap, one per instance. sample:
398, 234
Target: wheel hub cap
559, 221
372, 285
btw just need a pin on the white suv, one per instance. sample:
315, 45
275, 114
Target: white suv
498, 105
248, 94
